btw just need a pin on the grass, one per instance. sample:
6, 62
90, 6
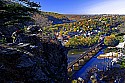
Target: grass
77, 51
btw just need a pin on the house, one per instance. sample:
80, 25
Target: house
60, 38
85, 34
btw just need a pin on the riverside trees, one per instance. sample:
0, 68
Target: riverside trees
111, 40
80, 41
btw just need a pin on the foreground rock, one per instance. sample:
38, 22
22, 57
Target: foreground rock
47, 65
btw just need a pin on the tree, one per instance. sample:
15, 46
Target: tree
80, 41
111, 40
13, 13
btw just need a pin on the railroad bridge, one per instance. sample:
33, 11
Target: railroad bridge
76, 64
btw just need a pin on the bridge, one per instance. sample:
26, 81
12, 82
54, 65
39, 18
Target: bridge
81, 60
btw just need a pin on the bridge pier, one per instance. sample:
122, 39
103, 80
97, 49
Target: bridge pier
96, 49
90, 54
69, 70
81, 62
76, 66
93, 51
86, 58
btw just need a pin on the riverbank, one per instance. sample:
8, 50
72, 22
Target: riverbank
76, 51
100, 64
108, 55
86, 59
91, 63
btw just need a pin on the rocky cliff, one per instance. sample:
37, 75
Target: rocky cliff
33, 62
28, 60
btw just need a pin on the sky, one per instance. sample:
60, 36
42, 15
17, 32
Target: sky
83, 6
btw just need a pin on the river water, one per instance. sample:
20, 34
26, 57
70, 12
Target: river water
72, 57
101, 64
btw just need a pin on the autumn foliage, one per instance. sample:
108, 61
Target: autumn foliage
111, 40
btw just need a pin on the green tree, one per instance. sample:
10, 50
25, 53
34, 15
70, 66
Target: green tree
13, 13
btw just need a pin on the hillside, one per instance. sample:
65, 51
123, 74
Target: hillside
48, 18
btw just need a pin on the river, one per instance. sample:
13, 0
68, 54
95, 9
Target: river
93, 62
72, 57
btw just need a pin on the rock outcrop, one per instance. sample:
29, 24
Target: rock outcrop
48, 63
